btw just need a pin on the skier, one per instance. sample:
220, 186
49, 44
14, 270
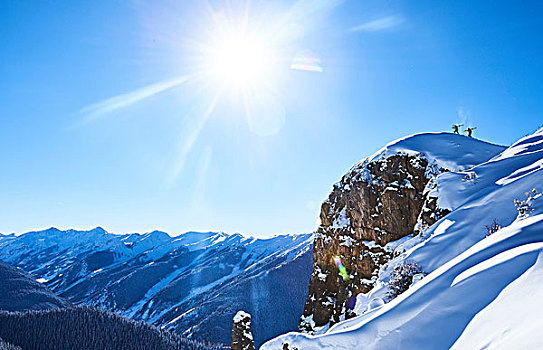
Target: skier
470, 131
456, 128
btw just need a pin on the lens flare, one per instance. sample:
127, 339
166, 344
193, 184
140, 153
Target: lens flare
342, 269
307, 61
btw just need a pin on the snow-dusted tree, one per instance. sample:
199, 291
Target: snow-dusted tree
402, 278
524, 206
7, 346
493, 227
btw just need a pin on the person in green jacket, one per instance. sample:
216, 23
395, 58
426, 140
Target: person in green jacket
456, 128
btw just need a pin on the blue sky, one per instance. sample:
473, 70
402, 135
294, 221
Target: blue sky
106, 119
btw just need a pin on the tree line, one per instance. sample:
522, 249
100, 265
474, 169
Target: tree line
86, 328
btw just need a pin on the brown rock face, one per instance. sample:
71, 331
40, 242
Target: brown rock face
242, 338
375, 203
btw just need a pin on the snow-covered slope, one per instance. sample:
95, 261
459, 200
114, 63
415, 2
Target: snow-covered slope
446, 150
193, 283
374, 206
480, 292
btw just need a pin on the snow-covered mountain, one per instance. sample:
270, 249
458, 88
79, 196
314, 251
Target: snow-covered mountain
375, 206
193, 283
482, 262
31, 316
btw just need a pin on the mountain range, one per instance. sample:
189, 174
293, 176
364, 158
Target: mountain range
32, 317
192, 284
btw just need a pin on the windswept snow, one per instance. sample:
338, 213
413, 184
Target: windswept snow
442, 148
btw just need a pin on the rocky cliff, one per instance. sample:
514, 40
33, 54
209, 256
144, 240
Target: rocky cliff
382, 199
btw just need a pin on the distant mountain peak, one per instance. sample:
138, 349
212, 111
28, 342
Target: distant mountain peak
98, 230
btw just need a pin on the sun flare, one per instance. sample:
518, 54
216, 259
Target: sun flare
239, 61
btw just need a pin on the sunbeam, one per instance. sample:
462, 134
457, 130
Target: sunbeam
192, 137
112, 104
198, 200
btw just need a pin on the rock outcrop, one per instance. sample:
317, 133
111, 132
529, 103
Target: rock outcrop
378, 202
242, 338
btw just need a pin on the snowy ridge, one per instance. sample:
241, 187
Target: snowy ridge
441, 148
481, 292
444, 152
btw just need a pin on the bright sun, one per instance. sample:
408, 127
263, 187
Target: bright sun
241, 61
237, 60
